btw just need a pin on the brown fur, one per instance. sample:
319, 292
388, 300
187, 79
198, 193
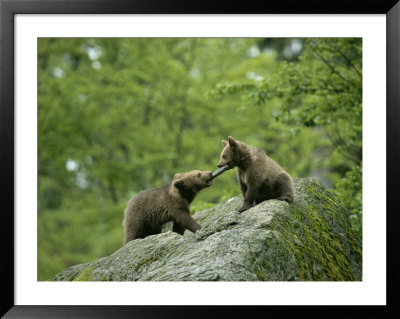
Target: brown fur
259, 177
148, 210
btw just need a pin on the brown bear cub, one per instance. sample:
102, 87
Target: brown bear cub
260, 178
148, 210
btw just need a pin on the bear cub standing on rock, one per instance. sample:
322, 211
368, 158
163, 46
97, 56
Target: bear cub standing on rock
148, 210
260, 178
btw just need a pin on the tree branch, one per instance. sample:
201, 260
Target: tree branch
330, 66
349, 62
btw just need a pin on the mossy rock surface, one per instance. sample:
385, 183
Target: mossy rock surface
310, 240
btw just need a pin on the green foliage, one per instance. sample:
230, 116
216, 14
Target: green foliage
349, 190
119, 115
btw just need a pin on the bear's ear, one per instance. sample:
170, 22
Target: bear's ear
232, 142
179, 183
223, 142
177, 176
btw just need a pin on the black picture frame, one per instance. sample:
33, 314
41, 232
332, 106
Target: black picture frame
8, 8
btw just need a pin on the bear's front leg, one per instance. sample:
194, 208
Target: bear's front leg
183, 218
248, 198
243, 188
242, 184
244, 207
178, 228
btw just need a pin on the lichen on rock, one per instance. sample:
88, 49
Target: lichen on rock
310, 240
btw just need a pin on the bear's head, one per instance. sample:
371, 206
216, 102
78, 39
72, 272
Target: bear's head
190, 183
231, 154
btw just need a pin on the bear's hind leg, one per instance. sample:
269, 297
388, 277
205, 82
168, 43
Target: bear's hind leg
284, 186
130, 234
135, 229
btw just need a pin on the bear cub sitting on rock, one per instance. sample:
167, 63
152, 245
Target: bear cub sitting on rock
260, 178
148, 210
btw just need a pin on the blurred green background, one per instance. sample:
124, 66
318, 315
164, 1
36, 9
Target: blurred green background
120, 115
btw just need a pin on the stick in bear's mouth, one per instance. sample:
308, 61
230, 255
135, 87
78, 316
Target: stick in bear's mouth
219, 171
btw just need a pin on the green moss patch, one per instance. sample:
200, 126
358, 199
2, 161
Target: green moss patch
317, 231
85, 275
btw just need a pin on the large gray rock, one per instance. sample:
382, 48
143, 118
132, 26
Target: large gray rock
308, 240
